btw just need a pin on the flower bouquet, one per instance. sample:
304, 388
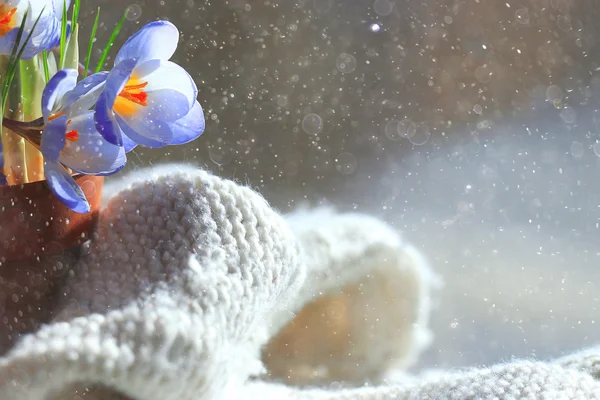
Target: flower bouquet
66, 125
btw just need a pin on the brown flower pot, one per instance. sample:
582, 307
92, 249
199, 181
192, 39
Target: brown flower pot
40, 239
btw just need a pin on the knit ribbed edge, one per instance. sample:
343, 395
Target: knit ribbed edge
339, 249
518, 380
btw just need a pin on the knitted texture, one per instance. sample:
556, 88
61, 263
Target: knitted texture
192, 282
172, 300
364, 305
524, 380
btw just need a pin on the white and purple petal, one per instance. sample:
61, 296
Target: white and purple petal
117, 79
53, 138
7, 42
104, 118
128, 144
155, 41
150, 129
46, 34
51, 38
64, 187
90, 153
152, 133
189, 127
171, 90
85, 94
58, 6
106, 123
57, 87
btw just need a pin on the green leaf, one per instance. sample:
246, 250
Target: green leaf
63, 36
28, 71
15, 48
32, 86
14, 95
13, 62
28, 38
91, 44
6, 84
75, 17
46, 65
112, 39
52, 63
72, 53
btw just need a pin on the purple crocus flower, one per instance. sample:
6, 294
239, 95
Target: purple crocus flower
47, 32
70, 137
149, 100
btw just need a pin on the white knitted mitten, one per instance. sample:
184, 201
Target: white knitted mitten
172, 301
190, 277
363, 308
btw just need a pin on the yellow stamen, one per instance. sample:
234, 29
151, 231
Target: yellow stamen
131, 97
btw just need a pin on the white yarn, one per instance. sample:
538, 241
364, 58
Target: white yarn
386, 324
173, 297
189, 276
523, 380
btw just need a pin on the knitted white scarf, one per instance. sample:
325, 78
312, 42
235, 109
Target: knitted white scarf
191, 276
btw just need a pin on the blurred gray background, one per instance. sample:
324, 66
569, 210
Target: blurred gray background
471, 126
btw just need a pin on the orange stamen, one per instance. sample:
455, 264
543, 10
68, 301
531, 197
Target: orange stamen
54, 116
7, 22
136, 87
131, 97
72, 136
6, 17
134, 93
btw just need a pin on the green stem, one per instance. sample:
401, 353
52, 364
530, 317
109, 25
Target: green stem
111, 41
14, 150
91, 44
14, 145
32, 86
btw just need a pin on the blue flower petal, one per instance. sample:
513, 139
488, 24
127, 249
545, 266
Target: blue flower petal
166, 104
47, 39
151, 133
88, 152
189, 127
46, 34
105, 122
53, 138
85, 94
117, 79
56, 88
115, 82
171, 90
65, 188
128, 144
7, 42
155, 41
58, 7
